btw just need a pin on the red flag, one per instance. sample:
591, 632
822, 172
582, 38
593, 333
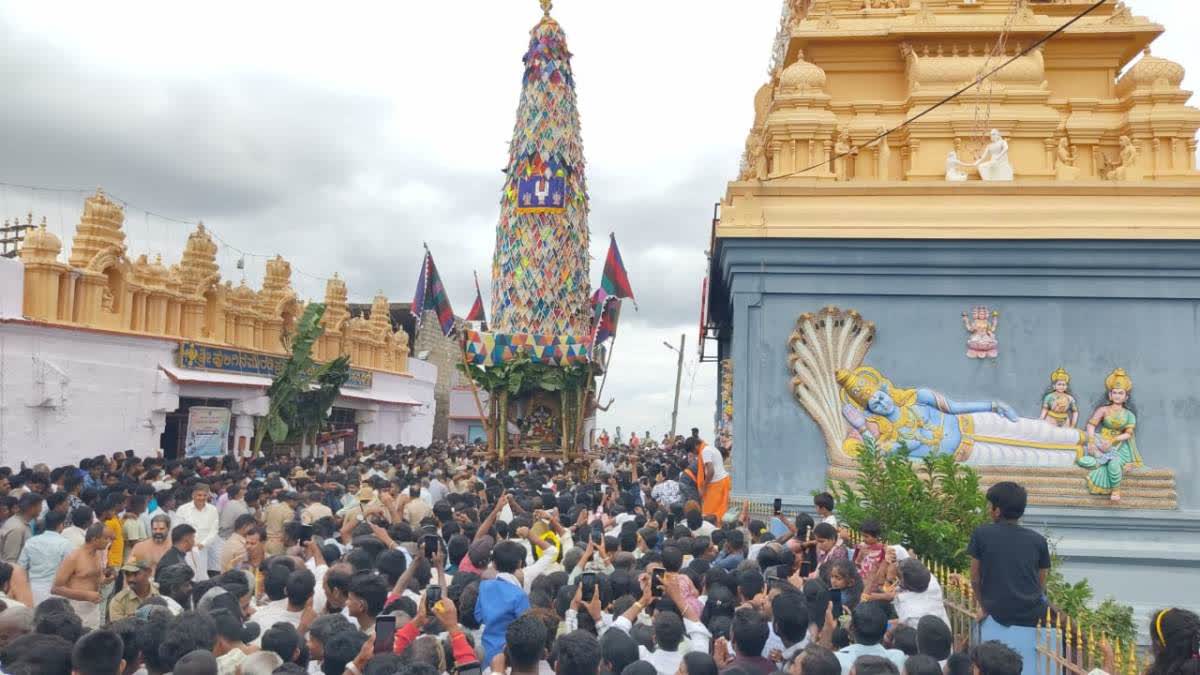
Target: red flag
615, 280
607, 327
476, 313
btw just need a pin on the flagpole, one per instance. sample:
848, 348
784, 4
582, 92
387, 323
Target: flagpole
611, 346
487, 427
582, 421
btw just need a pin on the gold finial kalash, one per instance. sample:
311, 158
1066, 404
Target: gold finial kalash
547, 5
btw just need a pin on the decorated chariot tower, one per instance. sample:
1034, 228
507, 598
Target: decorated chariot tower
535, 360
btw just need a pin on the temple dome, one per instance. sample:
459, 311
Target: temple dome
157, 273
40, 245
802, 76
1151, 72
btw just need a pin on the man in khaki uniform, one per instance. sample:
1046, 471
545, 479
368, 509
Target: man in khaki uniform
138, 589
279, 512
314, 510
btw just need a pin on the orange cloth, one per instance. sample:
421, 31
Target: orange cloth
716, 498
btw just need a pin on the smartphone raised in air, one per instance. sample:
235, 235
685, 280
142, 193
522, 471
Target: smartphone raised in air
587, 582
433, 593
656, 581
385, 633
430, 544
777, 506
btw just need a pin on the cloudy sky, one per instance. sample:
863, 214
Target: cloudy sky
344, 137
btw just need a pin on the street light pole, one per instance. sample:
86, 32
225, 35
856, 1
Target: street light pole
678, 378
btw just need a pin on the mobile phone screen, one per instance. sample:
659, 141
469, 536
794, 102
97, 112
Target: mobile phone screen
777, 507
597, 534
306, 533
432, 595
588, 588
385, 633
431, 546
656, 582
670, 522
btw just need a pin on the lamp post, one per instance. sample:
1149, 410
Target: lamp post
678, 378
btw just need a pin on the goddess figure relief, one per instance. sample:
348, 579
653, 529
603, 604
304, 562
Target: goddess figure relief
1111, 447
1058, 405
982, 343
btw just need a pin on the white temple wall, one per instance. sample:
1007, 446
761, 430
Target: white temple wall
12, 288
66, 394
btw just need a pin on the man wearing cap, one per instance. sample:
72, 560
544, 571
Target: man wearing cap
138, 589
280, 511
314, 509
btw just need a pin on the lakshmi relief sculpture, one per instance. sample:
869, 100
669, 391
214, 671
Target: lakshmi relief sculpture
1058, 405
1111, 447
981, 325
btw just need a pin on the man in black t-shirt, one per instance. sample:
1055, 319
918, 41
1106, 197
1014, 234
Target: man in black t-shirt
1009, 562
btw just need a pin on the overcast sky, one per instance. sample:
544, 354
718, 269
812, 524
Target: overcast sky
343, 135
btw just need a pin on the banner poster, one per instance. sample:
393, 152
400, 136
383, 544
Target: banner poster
207, 432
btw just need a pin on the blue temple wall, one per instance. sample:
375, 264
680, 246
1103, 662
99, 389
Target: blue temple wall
1087, 306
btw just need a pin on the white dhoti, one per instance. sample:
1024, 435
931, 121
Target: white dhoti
41, 590
989, 439
197, 560
89, 612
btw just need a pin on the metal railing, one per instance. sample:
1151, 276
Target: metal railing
1064, 646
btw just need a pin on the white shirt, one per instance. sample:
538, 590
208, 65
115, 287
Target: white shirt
705, 530
910, 606
667, 662
711, 455
207, 521
848, 655
275, 611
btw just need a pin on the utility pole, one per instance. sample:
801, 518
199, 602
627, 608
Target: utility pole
678, 378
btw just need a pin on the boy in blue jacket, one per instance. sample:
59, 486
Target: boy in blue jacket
501, 599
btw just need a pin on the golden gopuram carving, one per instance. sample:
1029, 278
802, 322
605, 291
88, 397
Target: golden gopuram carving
1091, 116
99, 287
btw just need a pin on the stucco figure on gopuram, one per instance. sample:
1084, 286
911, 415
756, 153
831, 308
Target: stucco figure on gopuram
855, 403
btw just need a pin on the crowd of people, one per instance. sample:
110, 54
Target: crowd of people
420, 561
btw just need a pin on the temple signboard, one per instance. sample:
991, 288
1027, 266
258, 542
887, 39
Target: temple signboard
198, 356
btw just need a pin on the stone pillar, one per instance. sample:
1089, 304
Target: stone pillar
172, 317
156, 313
243, 434
1049, 144
87, 307
41, 291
